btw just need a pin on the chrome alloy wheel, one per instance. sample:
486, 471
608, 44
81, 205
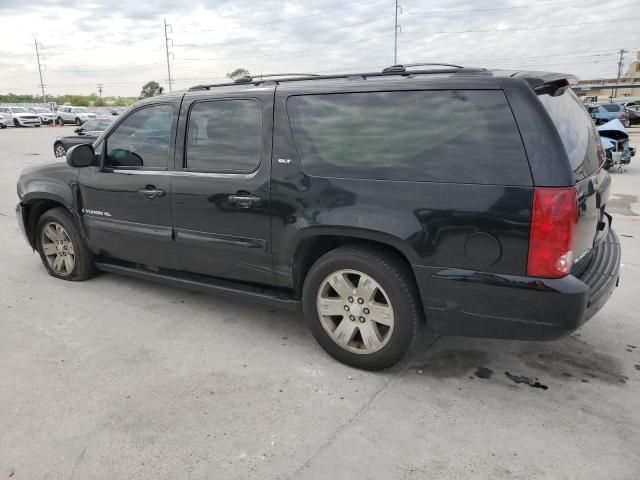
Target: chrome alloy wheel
355, 311
60, 151
58, 249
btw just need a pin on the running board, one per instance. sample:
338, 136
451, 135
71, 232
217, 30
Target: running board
200, 283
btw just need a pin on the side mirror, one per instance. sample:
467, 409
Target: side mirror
80, 156
78, 130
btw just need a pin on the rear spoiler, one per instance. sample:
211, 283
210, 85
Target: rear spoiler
546, 83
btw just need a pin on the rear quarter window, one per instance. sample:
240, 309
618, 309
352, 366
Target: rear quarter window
457, 136
576, 130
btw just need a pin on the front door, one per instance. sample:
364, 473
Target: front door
126, 202
221, 184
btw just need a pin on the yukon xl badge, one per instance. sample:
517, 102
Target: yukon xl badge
87, 211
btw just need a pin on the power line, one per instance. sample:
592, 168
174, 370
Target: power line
492, 9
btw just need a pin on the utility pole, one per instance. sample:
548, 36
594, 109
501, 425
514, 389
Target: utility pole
395, 34
44, 97
168, 29
614, 91
100, 87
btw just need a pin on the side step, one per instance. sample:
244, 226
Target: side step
201, 283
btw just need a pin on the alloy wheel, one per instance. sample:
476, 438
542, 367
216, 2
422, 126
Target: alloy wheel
60, 151
355, 311
57, 248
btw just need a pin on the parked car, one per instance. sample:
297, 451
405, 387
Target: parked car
46, 116
606, 112
20, 117
633, 111
469, 200
3, 121
615, 142
77, 115
87, 133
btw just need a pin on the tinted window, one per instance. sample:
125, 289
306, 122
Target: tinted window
141, 140
224, 136
576, 130
104, 124
611, 107
90, 126
441, 136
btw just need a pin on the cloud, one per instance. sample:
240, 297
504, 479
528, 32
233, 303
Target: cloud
121, 43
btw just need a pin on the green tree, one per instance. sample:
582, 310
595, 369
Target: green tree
238, 73
150, 89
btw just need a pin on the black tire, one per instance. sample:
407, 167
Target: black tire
78, 122
84, 261
3, 126
16, 123
59, 121
37, 126
397, 280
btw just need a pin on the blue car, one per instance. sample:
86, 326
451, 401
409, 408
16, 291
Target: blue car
606, 112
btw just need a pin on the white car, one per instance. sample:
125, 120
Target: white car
77, 115
46, 115
3, 122
20, 117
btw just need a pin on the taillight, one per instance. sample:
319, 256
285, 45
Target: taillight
551, 242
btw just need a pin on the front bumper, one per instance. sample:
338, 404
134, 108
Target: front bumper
28, 122
480, 304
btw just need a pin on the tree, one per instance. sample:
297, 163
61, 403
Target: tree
238, 73
151, 89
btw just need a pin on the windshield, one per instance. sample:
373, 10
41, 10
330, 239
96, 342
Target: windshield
612, 107
81, 110
18, 110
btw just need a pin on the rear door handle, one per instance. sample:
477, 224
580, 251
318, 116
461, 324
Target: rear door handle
151, 192
245, 201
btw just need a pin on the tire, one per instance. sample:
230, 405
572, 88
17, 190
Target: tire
395, 287
78, 122
3, 127
59, 150
82, 259
37, 126
59, 121
16, 123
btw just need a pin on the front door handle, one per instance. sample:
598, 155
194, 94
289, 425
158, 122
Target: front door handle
151, 192
244, 200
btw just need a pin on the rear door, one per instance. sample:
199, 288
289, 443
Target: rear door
582, 144
221, 184
126, 202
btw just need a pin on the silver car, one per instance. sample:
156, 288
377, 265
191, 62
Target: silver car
70, 114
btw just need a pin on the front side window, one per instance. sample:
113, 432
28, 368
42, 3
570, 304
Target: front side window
141, 140
457, 136
90, 126
224, 136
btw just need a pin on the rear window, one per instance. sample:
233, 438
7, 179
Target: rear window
577, 131
612, 107
441, 136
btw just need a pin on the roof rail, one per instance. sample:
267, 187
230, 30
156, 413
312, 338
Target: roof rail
392, 70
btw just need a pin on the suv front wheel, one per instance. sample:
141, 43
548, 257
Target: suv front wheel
61, 248
362, 307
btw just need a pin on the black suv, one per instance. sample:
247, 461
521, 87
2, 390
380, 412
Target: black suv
468, 200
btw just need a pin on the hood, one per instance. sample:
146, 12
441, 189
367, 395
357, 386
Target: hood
25, 114
613, 129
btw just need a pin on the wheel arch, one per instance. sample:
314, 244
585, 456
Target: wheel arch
315, 243
34, 207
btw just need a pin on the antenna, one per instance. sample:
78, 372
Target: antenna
38, 56
168, 29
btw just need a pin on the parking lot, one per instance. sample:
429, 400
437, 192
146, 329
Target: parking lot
122, 378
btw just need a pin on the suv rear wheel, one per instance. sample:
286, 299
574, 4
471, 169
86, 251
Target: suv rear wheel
61, 248
362, 307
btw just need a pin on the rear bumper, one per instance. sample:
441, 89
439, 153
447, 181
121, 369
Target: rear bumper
480, 304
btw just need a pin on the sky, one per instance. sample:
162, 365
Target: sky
121, 44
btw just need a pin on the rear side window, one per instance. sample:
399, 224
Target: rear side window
577, 131
224, 136
459, 136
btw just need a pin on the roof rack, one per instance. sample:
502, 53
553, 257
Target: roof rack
400, 70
